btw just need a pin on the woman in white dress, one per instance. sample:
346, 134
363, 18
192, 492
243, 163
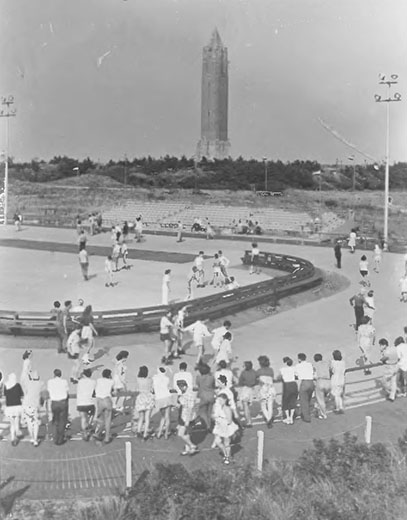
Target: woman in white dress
352, 241
224, 425
337, 370
88, 332
165, 289
377, 257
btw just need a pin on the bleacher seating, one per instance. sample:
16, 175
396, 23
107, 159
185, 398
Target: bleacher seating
167, 214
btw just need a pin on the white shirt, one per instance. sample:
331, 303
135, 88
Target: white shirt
103, 387
224, 351
83, 256
363, 265
199, 331
403, 284
304, 370
183, 376
166, 280
287, 374
255, 251
218, 337
165, 325
224, 261
58, 389
161, 385
84, 392
199, 261
402, 354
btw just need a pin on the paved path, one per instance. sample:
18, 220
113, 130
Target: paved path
80, 469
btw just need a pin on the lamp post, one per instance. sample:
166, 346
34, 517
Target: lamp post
389, 82
7, 112
265, 174
352, 159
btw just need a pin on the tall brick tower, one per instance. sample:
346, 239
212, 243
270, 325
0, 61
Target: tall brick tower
214, 143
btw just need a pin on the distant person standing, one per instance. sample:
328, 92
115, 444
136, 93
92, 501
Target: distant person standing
338, 253
82, 240
166, 336
165, 287
191, 281
254, 260
377, 258
92, 224
364, 268
180, 227
109, 272
290, 390
139, 229
224, 264
17, 221
116, 255
209, 232
85, 403
56, 314
84, 263
352, 241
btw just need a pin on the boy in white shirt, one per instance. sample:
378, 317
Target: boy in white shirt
199, 331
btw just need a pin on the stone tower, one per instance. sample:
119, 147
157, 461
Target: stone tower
214, 143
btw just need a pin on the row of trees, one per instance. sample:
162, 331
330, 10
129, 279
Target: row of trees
235, 174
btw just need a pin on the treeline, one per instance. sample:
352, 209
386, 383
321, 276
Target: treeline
234, 174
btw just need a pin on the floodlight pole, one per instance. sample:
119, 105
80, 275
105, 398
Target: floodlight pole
388, 81
265, 174
7, 112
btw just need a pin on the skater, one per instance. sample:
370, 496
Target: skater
84, 263
166, 336
217, 278
224, 264
338, 253
352, 241
254, 260
124, 253
165, 288
82, 240
191, 281
199, 332
109, 272
364, 269
116, 255
180, 227
225, 427
139, 229
178, 329
377, 257
357, 302
199, 264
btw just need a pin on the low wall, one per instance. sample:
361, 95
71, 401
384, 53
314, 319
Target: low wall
299, 276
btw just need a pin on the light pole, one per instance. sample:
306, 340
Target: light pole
7, 112
389, 82
352, 158
265, 174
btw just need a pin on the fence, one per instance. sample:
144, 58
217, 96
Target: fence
301, 275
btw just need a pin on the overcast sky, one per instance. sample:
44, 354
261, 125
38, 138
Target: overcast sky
106, 78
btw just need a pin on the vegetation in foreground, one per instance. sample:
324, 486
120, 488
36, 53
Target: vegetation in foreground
334, 480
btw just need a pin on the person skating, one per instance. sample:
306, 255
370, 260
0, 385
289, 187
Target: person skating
338, 253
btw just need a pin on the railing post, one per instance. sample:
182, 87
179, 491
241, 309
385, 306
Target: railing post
128, 465
260, 449
368, 429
